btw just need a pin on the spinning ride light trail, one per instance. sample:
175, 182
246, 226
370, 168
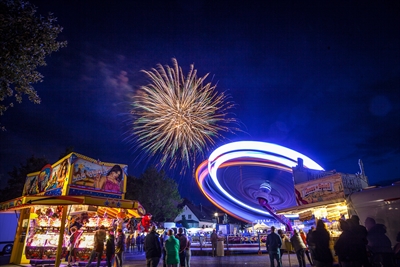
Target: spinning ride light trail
255, 154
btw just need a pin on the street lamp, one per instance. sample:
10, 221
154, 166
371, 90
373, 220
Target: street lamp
217, 218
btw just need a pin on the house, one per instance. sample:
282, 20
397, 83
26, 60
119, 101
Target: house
195, 217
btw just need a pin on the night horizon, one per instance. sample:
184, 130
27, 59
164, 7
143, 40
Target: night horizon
319, 78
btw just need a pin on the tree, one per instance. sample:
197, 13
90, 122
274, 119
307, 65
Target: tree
157, 193
26, 39
18, 176
185, 222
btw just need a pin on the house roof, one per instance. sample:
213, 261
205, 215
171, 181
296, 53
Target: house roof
202, 213
188, 221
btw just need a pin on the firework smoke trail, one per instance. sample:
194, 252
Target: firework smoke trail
177, 117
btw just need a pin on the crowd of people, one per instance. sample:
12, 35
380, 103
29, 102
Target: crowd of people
174, 250
357, 246
103, 239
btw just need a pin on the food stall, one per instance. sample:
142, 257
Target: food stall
75, 190
322, 195
323, 198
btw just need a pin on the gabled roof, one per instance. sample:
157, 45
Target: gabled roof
202, 213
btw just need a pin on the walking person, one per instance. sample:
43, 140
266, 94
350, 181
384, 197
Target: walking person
139, 242
182, 246
119, 247
164, 238
214, 241
285, 241
396, 250
98, 246
188, 252
345, 247
359, 241
311, 243
110, 247
172, 250
321, 237
274, 243
133, 241
77, 224
127, 243
379, 244
152, 248
72, 241
142, 236
299, 247
307, 252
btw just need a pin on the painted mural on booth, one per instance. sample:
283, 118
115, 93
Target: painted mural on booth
85, 176
50, 178
95, 175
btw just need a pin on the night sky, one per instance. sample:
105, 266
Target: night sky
319, 77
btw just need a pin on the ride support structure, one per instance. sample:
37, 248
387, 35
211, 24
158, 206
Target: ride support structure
280, 218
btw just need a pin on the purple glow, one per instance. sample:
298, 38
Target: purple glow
247, 153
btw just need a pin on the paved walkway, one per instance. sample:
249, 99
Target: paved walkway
235, 260
136, 259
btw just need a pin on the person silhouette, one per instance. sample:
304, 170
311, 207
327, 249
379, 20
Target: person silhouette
378, 243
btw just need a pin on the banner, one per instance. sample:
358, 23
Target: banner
323, 189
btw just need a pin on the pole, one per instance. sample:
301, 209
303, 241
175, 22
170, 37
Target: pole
61, 237
227, 245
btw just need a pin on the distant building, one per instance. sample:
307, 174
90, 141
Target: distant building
351, 182
196, 217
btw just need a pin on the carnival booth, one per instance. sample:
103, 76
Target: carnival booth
75, 191
323, 196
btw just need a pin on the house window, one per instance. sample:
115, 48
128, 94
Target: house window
190, 216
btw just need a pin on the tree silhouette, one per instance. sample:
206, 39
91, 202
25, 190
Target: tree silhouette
26, 39
16, 183
185, 222
157, 193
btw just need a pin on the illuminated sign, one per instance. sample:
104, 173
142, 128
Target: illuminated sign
323, 189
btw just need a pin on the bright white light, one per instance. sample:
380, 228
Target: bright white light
264, 147
258, 150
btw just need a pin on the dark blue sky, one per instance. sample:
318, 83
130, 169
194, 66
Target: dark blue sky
320, 77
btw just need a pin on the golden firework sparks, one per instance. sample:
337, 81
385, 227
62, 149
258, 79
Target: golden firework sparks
178, 117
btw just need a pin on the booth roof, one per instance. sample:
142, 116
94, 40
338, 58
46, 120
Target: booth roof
303, 208
114, 213
133, 208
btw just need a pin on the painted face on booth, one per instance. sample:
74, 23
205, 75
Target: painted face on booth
42, 176
64, 170
115, 175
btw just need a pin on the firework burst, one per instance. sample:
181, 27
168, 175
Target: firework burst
178, 117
